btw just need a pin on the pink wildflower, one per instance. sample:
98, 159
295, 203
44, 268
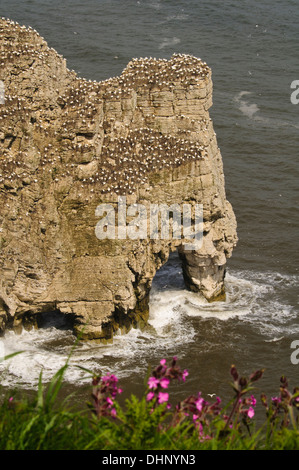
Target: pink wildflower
150, 396
199, 403
253, 400
164, 382
153, 382
110, 377
276, 399
163, 397
185, 374
250, 412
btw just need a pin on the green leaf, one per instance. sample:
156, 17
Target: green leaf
9, 356
54, 387
40, 391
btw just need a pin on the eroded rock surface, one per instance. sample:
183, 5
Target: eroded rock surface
68, 145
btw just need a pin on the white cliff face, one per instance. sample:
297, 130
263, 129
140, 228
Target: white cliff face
68, 145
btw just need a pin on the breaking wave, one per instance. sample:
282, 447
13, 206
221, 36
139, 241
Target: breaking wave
254, 300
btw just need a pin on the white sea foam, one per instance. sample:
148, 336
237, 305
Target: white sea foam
156, 5
253, 112
169, 42
179, 17
270, 315
274, 340
247, 108
35, 356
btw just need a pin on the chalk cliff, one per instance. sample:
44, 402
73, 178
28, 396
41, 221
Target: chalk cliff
68, 145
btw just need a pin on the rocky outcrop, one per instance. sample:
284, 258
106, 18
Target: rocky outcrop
68, 146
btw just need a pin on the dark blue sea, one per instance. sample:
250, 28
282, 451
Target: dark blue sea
252, 49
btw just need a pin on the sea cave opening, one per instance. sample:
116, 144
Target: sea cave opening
170, 275
49, 319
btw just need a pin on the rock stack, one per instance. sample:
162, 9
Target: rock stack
67, 145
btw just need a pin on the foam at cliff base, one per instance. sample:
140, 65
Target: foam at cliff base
252, 297
245, 107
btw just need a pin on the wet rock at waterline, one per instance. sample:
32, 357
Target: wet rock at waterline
70, 148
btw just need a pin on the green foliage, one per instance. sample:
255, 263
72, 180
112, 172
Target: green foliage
137, 427
45, 422
28, 426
